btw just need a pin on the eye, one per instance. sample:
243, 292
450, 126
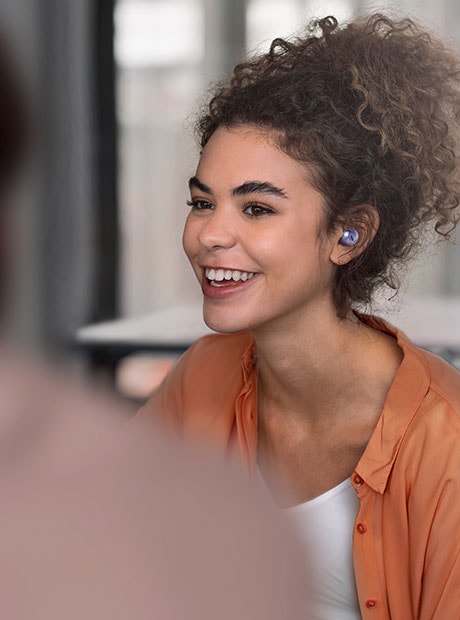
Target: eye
255, 210
199, 205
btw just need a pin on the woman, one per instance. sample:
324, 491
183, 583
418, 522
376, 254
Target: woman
321, 163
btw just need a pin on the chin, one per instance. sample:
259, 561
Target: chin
223, 327
223, 324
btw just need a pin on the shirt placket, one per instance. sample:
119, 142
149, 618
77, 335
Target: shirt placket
369, 584
246, 418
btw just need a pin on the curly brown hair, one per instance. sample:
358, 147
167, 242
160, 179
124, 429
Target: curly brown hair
372, 108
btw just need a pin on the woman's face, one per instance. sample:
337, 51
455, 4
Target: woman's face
255, 235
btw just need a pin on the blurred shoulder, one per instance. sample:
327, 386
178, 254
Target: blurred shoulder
221, 349
214, 360
204, 383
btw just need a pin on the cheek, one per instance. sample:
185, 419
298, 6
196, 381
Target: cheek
301, 252
296, 242
189, 238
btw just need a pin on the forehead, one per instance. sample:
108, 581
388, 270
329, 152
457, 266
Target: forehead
236, 154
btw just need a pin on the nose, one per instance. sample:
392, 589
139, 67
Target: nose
217, 231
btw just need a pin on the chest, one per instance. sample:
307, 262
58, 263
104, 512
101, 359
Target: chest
300, 462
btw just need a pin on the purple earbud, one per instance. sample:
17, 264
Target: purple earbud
350, 237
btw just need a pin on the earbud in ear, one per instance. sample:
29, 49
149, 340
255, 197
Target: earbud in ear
349, 238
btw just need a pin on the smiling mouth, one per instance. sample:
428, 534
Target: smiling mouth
227, 277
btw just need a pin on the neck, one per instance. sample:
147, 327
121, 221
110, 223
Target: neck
325, 361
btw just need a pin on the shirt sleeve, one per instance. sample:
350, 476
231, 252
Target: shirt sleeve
434, 509
441, 580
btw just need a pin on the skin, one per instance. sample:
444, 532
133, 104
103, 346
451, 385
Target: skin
322, 380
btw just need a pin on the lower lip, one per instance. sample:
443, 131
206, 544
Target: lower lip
222, 292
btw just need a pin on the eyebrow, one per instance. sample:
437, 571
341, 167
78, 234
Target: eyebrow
259, 187
249, 187
195, 182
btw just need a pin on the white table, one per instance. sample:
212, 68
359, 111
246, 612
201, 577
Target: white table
171, 329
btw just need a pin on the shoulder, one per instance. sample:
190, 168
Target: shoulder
215, 362
204, 382
432, 441
444, 381
418, 433
216, 358
437, 424
440, 406
438, 412
218, 350
424, 381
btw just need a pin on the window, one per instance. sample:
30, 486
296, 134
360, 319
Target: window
159, 51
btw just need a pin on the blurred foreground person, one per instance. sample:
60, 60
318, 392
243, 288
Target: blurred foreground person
96, 524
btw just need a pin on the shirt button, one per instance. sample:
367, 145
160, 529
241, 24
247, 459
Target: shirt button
371, 603
357, 480
361, 528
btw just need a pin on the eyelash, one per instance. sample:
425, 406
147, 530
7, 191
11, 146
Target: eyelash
265, 210
195, 205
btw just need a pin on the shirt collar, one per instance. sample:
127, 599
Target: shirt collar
409, 387
248, 362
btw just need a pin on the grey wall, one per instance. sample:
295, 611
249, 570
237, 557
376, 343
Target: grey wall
55, 244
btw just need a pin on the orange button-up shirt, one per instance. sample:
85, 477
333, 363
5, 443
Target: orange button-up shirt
406, 543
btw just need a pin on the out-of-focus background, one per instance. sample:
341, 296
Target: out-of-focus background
116, 84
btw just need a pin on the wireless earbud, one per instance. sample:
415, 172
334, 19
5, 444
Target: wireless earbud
350, 237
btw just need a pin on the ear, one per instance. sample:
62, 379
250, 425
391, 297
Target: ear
365, 220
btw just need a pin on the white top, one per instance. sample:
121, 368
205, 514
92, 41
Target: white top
325, 525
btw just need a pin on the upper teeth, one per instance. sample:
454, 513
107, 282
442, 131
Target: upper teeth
228, 274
